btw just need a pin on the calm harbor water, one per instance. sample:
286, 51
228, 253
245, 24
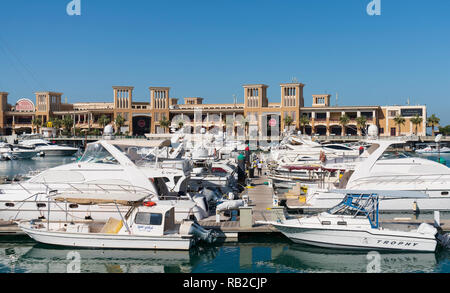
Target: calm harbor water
252, 254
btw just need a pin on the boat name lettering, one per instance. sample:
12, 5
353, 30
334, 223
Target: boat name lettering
145, 228
392, 242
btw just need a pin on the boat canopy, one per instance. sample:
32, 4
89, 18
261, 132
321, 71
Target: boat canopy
384, 193
142, 143
94, 199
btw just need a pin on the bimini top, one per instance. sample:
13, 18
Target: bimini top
384, 193
93, 199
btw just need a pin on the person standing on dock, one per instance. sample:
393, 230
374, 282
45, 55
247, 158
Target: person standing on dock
259, 168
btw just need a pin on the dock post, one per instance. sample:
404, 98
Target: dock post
217, 217
437, 219
245, 217
277, 214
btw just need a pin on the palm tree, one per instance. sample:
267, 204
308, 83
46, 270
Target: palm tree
57, 123
344, 120
304, 120
37, 122
433, 121
288, 121
361, 122
445, 130
164, 123
416, 120
103, 121
120, 121
178, 122
67, 122
399, 120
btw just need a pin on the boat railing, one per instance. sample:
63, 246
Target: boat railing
345, 159
85, 188
412, 178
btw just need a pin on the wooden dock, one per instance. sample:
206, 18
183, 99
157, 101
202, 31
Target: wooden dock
261, 197
9, 228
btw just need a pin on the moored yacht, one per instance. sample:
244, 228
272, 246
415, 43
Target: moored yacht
49, 149
103, 169
294, 150
14, 152
146, 225
433, 149
354, 224
388, 169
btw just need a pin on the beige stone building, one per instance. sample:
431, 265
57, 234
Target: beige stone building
257, 117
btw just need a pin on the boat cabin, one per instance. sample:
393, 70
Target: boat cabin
156, 220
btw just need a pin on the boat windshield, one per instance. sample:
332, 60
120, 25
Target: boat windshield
96, 153
138, 155
365, 205
397, 155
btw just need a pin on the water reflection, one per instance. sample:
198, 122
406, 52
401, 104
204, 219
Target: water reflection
260, 256
310, 259
39, 258
23, 167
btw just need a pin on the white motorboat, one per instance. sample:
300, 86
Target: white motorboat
13, 152
146, 225
49, 149
433, 149
107, 167
302, 150
391, 170
208, 177
354, 224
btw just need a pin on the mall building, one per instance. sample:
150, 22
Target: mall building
256, 116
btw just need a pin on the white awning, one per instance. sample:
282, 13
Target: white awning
385, 193
92, 199
142, 143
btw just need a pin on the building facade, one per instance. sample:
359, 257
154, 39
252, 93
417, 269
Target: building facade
257, 116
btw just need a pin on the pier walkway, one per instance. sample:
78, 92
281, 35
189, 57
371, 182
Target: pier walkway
260, 196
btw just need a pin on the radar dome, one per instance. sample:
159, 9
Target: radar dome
373, 130
108, 130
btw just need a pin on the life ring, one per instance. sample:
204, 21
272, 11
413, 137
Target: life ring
149, 204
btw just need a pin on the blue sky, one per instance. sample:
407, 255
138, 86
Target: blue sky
211, 48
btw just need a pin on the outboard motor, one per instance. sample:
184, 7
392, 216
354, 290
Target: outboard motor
444, 240
198, 232
210, 195
202, 205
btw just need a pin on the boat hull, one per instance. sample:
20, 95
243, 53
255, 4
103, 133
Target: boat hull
58, 152
24, 155
112, 241
357, 239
